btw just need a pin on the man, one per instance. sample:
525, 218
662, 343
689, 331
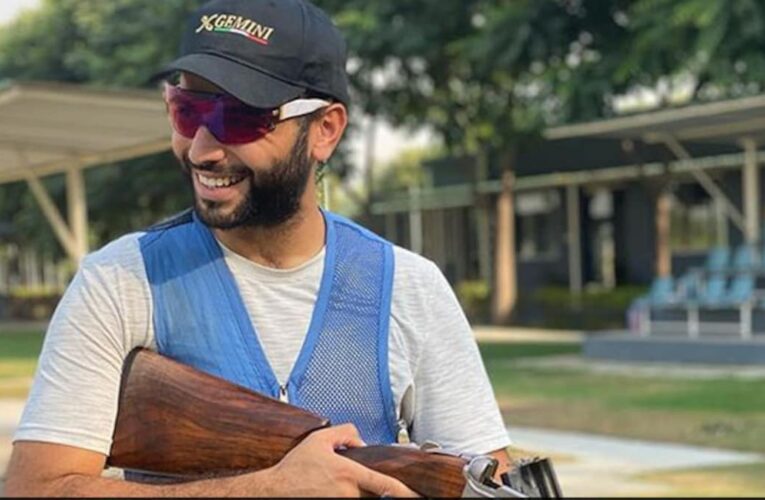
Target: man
258, 285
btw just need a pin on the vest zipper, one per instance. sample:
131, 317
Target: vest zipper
283, 394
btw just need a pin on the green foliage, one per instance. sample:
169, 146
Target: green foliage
19, 208
405, 170
33, 292
718, 43
594, 310
475, 298
616, 298
485, 74
137, 194
115, 43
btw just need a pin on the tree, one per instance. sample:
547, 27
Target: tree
717, 44
485, 75
116, 43
488, 75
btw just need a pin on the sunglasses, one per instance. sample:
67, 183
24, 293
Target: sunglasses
227, 118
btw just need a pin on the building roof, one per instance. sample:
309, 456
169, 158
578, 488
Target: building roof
46, 127
720, 122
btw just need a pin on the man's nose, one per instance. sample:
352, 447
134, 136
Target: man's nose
205, 148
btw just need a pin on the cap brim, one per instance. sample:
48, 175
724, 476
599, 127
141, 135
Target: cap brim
247, 84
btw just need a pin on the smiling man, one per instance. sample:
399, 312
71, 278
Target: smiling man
258, 285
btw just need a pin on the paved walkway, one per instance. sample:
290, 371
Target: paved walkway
606, 466
10, 412
509, 334
647, 369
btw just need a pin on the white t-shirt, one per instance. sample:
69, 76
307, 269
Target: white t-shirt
438, 380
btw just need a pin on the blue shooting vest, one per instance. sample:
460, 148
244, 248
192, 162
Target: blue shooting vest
342, 370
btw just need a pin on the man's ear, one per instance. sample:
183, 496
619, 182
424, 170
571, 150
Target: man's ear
327, 130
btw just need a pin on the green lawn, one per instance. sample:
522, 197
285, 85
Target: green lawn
18, 360
724, 412
20, 345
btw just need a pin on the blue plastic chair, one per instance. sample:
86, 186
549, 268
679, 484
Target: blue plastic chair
741, 290
689, 286
713, 291
746, 258
662, 291
717, 259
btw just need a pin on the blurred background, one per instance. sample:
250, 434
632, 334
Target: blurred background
586, 173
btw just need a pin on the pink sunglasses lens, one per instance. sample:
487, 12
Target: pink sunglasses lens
229, 120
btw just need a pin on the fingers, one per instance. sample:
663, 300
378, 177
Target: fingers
366, 480
382, 485
342, 435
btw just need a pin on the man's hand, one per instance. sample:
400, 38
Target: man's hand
314, 469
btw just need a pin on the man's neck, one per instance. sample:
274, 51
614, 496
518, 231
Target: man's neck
285, 246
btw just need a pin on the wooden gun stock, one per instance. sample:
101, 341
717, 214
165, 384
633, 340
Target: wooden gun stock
177, 421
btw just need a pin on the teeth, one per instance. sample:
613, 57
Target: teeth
216, 182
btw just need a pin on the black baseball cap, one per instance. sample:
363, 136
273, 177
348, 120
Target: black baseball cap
264, 52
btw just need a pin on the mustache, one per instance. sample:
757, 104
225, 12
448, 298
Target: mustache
229, 171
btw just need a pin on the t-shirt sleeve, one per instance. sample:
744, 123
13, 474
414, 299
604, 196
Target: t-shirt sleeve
73, 400
454, 401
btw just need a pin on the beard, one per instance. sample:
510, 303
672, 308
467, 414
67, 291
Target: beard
274, 195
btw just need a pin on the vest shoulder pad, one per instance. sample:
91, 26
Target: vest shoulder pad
361, 230
184, 217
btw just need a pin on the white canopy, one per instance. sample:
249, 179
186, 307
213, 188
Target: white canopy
51, 128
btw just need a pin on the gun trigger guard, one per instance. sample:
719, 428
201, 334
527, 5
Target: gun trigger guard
478, 480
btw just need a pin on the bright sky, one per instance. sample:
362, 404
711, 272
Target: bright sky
10, 8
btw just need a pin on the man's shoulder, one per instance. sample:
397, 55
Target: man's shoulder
414, 277
127, 248
183, 217
122, 252
413, 264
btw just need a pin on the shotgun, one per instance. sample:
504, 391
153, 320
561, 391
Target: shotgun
177, 423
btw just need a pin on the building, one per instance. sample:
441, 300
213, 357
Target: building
610, 202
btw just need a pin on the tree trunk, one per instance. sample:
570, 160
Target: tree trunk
505, 279
663, 250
